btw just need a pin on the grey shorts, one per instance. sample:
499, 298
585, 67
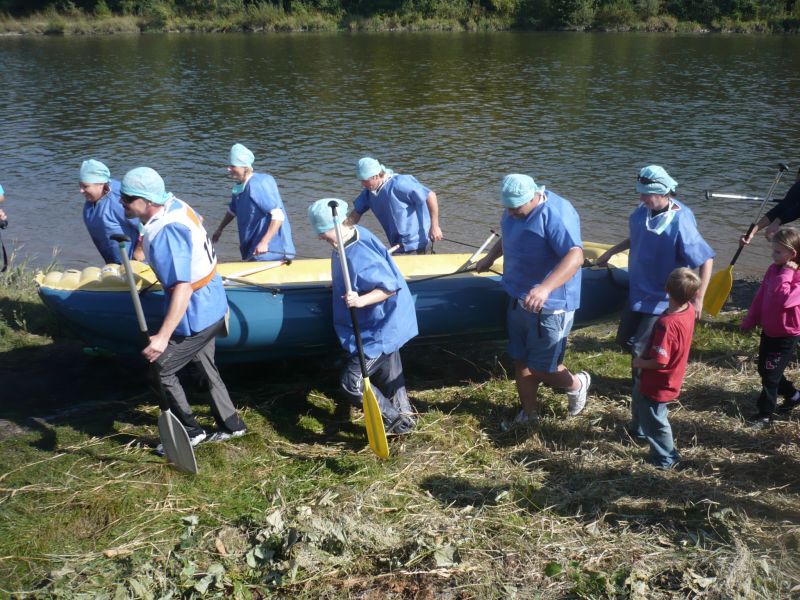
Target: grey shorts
538, 340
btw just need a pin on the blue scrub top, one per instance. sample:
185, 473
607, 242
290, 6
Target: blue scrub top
533, 247
252, 207
386, 326
170, 257
654, 256
401, 207
105, 218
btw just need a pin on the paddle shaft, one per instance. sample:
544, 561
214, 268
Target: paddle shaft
122, 240
349, 288
782, 168
715, 195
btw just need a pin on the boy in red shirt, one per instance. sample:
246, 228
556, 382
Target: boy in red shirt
663, 364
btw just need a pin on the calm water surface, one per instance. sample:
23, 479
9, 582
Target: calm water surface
580, 112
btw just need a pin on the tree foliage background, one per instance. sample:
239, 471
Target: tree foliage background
531, 13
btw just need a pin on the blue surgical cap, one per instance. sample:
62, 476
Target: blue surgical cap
321, 216
93, 171
659, 181
2, 191
368, 167
241, 156
518, 189
144, 182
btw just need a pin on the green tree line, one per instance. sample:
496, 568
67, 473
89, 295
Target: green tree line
576, 14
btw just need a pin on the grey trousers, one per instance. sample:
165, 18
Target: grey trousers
386, 378
197, 349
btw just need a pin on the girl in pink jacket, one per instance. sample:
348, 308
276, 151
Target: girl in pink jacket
776, 308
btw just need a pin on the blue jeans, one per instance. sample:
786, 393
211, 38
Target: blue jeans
633, 334
654, 422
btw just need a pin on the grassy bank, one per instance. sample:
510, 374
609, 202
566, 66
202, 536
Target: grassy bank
298, 508
581, 15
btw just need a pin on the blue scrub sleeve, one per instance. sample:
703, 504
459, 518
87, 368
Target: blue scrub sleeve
692, 248
361, 203
264, 194
171, 255
376, 274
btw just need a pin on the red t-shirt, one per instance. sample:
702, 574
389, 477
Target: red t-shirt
669, 345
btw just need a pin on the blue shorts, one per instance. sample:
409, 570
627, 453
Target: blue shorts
538, 340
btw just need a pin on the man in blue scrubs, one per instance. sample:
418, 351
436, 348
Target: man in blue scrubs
179, 252
663, 237
256, 204
385, 313
542, 258
406, 209
103, 214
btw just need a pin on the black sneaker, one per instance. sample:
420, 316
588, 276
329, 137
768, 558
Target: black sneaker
760, 422
788, 405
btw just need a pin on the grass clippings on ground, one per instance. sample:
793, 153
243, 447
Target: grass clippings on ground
299, 507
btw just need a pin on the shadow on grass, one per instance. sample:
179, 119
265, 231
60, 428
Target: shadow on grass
640, 494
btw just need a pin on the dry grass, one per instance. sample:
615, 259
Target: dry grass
300, 509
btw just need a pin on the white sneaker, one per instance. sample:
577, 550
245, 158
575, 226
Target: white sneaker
221, 435
520, 420
200, 437
577, 399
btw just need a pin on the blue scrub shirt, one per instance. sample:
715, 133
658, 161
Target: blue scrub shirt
252, 209
170, 257
105, 218
654, 256
386, 326
401, 207
533, 247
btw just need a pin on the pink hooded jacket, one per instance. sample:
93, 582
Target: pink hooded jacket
776, 306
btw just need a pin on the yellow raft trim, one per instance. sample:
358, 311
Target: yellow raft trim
110, 278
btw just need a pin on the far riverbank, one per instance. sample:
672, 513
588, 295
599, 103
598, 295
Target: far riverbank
621, 16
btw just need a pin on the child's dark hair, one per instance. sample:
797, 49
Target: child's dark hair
682, 285
788, 237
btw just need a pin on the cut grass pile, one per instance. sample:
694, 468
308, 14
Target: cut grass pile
299, 507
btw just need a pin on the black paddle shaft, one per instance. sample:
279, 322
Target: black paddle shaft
348, 287
782, 168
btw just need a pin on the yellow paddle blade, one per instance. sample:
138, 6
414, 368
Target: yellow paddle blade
373, 420
718, 290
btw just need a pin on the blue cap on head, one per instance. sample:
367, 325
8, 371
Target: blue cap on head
241, 156
93, 171
2, 191
368, 167
518, 189
655, 180
144, 182
321, 215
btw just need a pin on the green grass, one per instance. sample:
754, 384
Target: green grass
299, 507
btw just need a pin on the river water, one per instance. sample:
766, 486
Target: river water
580, 112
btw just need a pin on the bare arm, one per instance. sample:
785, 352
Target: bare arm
487, 261
433, 207
565, 269
353, 300
762, 222
353, 218
272, 231
178, 303
705, 276
603, 259
225, 220
138, 250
